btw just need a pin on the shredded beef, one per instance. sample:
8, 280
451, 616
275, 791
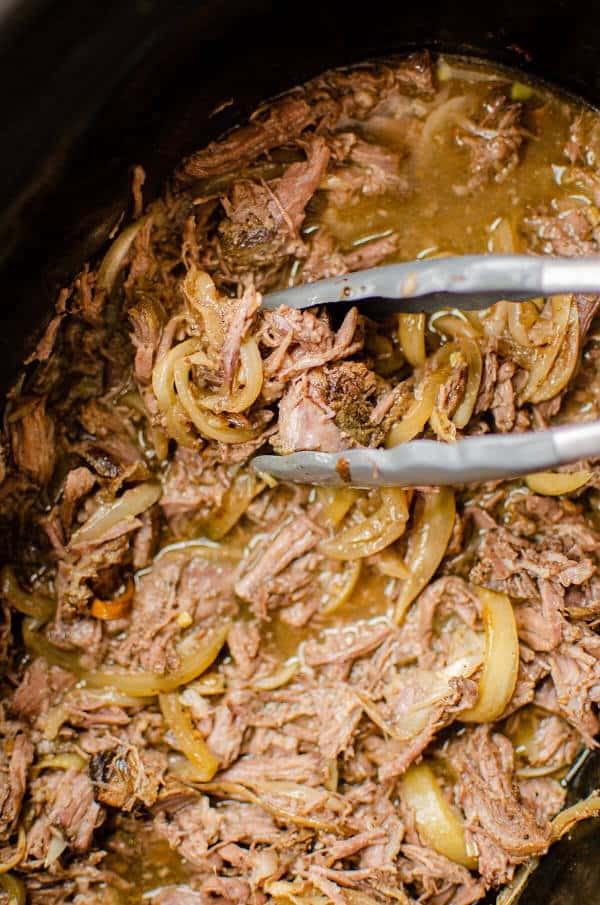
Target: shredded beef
293, 736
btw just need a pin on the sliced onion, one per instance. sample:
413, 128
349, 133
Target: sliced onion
251, 371
521, 318
564, 364
391, 563
454, 324
276, 679
501, 659
146, 684
411, 333
189, 741
35, 640
246, 485
210, 683
465, 408
131, 503
209, 425
56, 847
339, 588
375, 532
582, 810
140, 684
426, 546
493, 320
446, 71
417, 416
550, 483
534, 772
434, 686
414, 420
14, 889
54, 720
163, 385
438, 823
566, 820
115, 257
19, 853
512, 891
65, 761
33, 604
336, 502
204, 307
544, 357
441, 117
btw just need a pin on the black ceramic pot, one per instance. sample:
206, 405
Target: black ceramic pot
91, 88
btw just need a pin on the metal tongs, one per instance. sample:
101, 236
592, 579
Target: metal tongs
470, 282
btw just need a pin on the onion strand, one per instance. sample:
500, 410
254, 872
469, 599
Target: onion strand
427, 545
501, 659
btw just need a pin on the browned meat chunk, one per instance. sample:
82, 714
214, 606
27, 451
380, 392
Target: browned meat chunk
17, 755
285, 120
32, 436
126, 776
263, 219
493, 141
503, 828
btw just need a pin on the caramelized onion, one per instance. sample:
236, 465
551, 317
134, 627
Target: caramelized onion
35, 640
550, 483
65, 761
33, 604
375, 532
465, 407
140, 684
411, 334
115, 257
19, 852
204, 311
441, 117
417, 416
426, 546
414, 420
501, 659
146, 684
14, 889
454, 324
246, 485
391, 563
521, 317
438, 823
250, 377
176, 418
339, 587
131, 503
564, 365
513, 889
336, 502
189, 741
434, 687
542, 359
208, 424
566, 820
278, 678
